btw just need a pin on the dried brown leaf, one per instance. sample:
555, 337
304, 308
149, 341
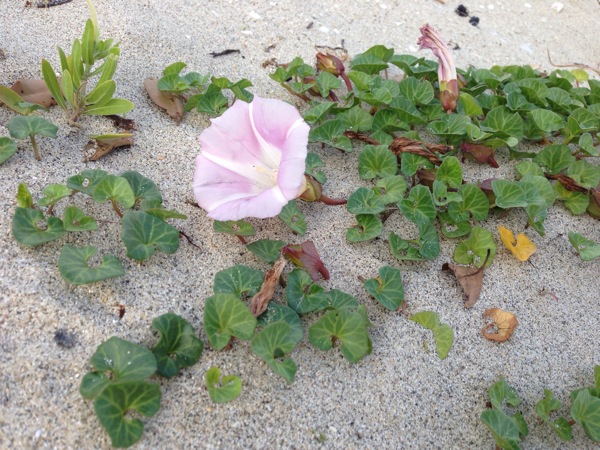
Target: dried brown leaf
34, 91
260, 301
479, 153
569, 183
470, 279
502, 326
122, 122
104, 146
404, 145
172, 103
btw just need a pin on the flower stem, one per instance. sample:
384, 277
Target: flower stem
241, 238
332, 201
347, 81
35, 148
116, 208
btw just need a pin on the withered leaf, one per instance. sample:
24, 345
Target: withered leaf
405, 145
521, 247
569, 183
172, 103
122, 122
502, 326
34, 91
260, 302
307, 257
360, 137
104, 144
479, 153
470, 279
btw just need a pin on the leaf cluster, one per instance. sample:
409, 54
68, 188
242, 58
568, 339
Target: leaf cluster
119, 384
143, 223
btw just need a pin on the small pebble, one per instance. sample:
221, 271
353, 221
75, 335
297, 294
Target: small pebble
557, 6
474, 20
65, 338
462, 11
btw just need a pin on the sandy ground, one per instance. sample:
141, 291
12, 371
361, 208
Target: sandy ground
399, 396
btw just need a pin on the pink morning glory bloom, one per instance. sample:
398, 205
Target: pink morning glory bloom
252, 160
432, 39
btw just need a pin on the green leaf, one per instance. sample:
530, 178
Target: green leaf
272, 344
418, 92
237, 227
391, 189
87, 43
26, 231
101, 94
586, 412
164, 214
387, 288
142, 233
304, 296
281, 313
178, 345
115, 189
387, 120
407, 112
327, 82
410, 163
238, 280
266, 250
469, 106
377, 161
509, 194
212, 102
68, 88
368, 227
113, 404
585, 174
501, 119
225, 315
222, 390
586, 248
8, 147
313, 161
86, 181
339, 299
546, 121
503, 428
474, 204
343, 325
534, 90
576, 202
444, 337
451, 228
529, 168
293, 218
316, 113
13, 100
450, 127
418, 206
450, 172
500, 392
544, 407
113, 106
53, 193
143, 188
428, 319
475, 249
585, 120
555, 158
586, 145
74, 268
117, 361
365, 201
52, 83
173, 83
174, 69
24, 198
368, 63
356, 118
597, 376
23, 127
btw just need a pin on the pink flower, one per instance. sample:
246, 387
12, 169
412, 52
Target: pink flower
431, 39
252, 160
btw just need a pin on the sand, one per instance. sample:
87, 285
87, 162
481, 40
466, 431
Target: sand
400, 396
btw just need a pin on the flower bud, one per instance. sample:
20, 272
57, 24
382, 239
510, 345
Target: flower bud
330, 63
313, 191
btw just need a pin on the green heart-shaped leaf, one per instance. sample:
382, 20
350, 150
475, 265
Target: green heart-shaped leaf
444, 337
501, 121
267, 250
586, 412
272, 344
318, 112
237, 227
222, 390
281, 313
585, 174
75, 219
368, 227
142, 233
226, 316
586, 248
377, 161
365, 201
116, 361
114, 189
53, 193
86, 181
24, 198
474, 250
391, 189
546, 121
418, 92
74, 268
450, 172
313, 162
22, 127
387, 289
8, 147
348, 327
418, 206
239, 281
143, 188
293, 218
509, 194
428, 319
116, 400
304, 296
555, 158
26, 231
545, 407
503, 428
339, 299
178, 345
356, 118
410, 163
576, 202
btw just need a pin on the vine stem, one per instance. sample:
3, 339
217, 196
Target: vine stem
116, 208
35, 147
332, 201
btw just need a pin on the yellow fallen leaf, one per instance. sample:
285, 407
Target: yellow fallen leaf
502, 326
523, 248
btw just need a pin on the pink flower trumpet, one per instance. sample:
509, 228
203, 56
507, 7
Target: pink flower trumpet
431, 39
252, 160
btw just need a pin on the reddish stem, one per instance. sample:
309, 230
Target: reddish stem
116, 208
347, 81
241, 238
332, 201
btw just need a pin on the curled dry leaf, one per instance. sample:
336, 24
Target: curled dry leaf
106, 143
122, 122
360, 137
404, 145
470, 279
522, 248
34, 91
306, 257
479, 153
172, 103
569, 183
502, 326
260, 301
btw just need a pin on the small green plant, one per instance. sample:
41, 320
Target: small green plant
23, 127
119, 382
442, 333
143, 230
90, 57
222, 390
